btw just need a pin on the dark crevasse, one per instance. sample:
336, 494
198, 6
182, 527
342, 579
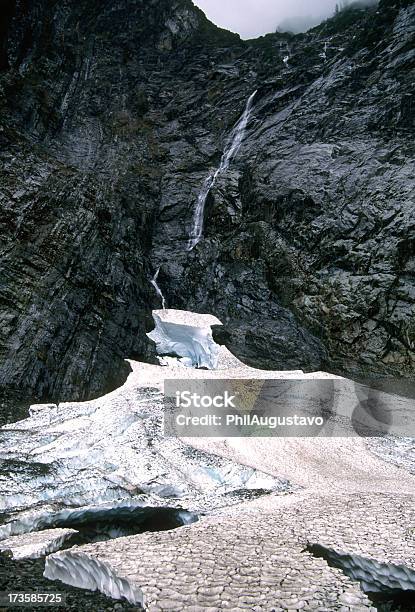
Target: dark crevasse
94, 526
389, 586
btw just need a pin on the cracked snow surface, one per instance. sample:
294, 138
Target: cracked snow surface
254, 557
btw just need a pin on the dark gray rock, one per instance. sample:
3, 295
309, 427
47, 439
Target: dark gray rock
111, 116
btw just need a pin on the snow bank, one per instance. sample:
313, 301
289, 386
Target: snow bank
35, 545
81, 570
187, 335
373, 575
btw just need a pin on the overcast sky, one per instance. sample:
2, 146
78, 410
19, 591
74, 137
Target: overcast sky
252, 18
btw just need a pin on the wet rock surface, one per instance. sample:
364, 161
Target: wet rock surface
111, 118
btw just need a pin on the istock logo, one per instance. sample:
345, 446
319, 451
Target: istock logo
185, 399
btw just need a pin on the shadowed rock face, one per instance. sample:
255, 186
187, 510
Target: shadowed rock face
112, 115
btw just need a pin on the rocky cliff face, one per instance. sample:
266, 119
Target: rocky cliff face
113, 113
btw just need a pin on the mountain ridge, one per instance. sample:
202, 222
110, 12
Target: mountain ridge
106, 139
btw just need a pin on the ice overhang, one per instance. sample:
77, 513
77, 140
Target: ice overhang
187, 335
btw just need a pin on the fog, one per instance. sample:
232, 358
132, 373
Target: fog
252, 18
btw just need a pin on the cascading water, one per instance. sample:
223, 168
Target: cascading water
157, 288
323, 55
286, 57
231, 148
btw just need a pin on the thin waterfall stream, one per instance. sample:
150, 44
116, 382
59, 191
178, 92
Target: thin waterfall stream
157, 288
231, 148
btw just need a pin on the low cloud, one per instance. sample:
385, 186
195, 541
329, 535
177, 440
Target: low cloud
252, 18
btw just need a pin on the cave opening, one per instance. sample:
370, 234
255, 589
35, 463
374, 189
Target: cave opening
391, 588
97, 525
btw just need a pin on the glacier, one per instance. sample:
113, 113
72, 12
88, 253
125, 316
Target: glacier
187, 335
110, 453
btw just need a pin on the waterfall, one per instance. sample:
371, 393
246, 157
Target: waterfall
157, 288
286, 57
233, 143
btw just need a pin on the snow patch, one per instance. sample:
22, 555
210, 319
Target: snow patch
187, 335
36, 545
374, 576
80, 570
